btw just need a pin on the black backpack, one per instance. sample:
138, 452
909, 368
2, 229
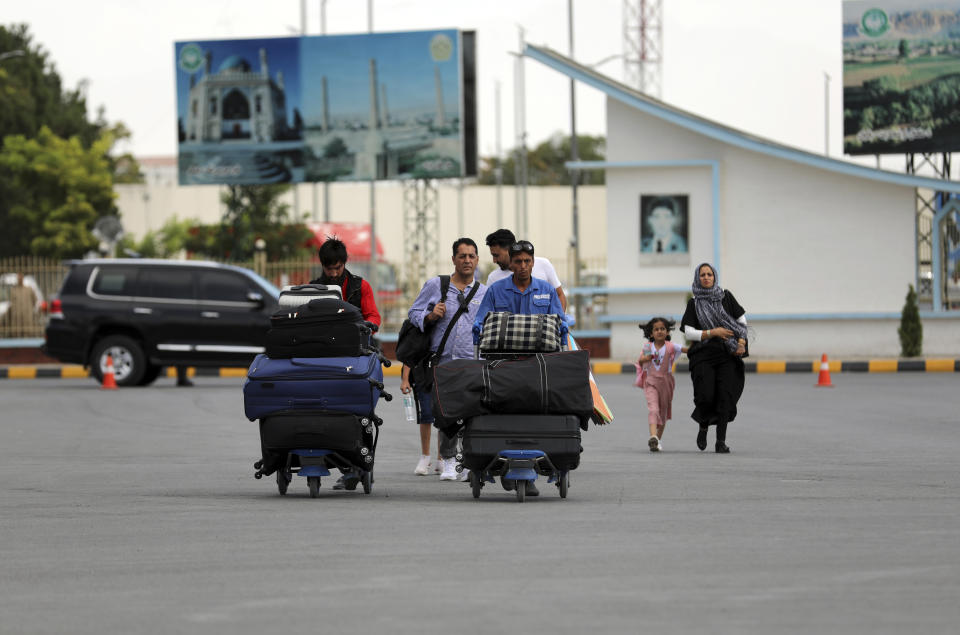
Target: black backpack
413, 345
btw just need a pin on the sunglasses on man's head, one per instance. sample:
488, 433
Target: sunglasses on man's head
522, 245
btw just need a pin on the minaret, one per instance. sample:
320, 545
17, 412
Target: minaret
326, 105
264, 69
385, 120
207, 62
374, 122
441, 120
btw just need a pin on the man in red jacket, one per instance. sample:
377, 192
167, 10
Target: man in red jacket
356, 290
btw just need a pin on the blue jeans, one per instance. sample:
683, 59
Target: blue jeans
448, 444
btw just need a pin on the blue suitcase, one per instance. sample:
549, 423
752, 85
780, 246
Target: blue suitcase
333, 384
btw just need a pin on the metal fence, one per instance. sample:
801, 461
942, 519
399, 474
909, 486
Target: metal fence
23, 301
23, 309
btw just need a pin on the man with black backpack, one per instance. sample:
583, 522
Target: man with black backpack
445, 310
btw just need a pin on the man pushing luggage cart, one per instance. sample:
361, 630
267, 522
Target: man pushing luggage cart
525, 435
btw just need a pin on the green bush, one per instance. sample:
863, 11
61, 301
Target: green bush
911, 329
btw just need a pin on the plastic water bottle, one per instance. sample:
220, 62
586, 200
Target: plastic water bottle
409, 408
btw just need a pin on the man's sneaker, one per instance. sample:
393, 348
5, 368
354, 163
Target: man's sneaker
531, 489
423, 467
654, 444
464, 475
449, 472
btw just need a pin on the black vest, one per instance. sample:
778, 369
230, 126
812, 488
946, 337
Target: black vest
354, 293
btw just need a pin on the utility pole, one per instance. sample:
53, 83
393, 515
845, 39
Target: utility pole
574, 174
326, 128
826, 113
498, 171
373, 192
521, 131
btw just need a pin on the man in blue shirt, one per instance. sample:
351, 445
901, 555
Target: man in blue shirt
430, 311
520, 293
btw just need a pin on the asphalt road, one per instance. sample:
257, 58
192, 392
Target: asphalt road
136, 511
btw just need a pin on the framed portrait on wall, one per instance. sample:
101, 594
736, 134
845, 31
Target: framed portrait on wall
664, 229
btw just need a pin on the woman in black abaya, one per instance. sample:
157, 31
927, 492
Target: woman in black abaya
715, 327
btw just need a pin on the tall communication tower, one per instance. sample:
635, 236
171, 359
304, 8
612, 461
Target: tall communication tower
643, 45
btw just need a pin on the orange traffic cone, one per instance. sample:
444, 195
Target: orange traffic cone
823, 381
109, 381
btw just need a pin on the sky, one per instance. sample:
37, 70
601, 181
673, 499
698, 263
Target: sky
756, 65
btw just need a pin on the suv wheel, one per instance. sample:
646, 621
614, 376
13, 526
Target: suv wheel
129, 362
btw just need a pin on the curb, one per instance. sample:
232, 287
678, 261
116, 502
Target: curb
836, 366
599, 368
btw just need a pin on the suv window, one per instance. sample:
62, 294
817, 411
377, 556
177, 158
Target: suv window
115, 281
224, 286
166, 282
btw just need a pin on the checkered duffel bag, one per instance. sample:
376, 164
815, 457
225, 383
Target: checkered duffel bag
505, 332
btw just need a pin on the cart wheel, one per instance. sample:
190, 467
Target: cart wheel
476, 482
563, 483
521, 490
283, 480
367, 481
313, 482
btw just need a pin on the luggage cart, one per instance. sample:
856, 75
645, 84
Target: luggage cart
316, 463
514, 466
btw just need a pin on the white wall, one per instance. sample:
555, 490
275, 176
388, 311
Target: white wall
550, 222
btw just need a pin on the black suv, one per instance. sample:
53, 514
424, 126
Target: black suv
148, 314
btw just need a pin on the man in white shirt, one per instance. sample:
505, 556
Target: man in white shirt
499, 243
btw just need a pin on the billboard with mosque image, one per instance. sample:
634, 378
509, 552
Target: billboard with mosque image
327, 108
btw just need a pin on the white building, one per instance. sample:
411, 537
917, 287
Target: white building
820, 252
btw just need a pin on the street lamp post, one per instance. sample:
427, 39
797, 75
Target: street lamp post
574, 174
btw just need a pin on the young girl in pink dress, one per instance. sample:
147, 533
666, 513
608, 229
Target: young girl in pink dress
655, 375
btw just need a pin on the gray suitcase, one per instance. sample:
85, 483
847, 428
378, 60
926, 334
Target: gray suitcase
297, 295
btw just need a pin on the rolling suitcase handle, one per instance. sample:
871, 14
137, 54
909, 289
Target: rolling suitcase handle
379, 386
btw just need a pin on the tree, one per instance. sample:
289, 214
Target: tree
911, 329
904, 49
167, 242
56, 190
253, 211
33, 96
46, 206
545, 163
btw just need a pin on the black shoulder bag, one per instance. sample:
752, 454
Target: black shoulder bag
413, 345
422, 373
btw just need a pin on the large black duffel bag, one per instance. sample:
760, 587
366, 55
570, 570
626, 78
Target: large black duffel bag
320, 328
546, 383
557, 435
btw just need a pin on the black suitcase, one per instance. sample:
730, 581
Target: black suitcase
320, 328
316, 431
557, 435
